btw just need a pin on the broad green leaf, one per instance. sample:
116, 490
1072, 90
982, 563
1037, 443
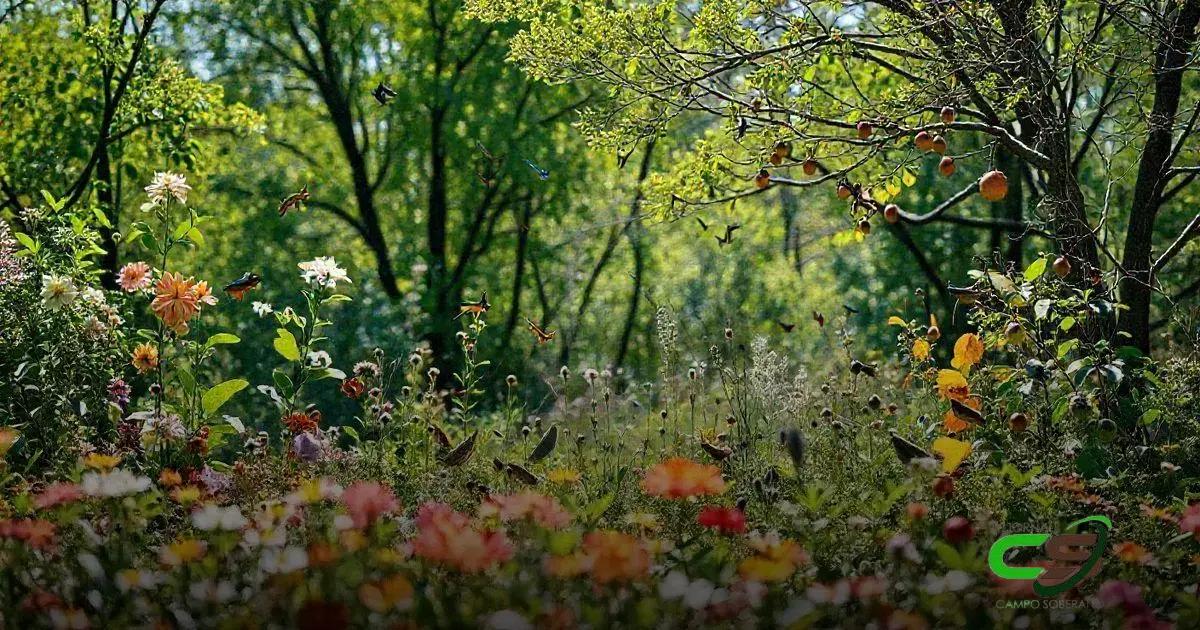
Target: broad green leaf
220, 393
1035, 269
285, 345
1150, 416
221, 338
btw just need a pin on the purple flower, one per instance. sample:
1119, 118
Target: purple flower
214, 481
307, 447
118, 393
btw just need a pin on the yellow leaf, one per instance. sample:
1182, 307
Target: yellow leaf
920, 349
968, 350
952, 451
896, 321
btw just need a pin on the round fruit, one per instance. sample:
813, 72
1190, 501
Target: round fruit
993, 186
939, 145
943, 486
783, 149
923, 141
864, 226
809, 166
1062, 266
864, 130
948, 114
1106, 430
958, 530
933, 333
946, 166
775, 159
763, 179
891, 213
843, 191
1018, 422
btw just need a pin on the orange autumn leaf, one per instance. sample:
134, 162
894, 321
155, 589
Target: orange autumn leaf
920, 349
952, 384
968, 350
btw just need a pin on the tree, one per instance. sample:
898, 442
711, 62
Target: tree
1066, 99
419, 158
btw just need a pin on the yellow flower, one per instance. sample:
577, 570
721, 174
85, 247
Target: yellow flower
100, 461
968, 350
145, 358
186, 495
563, 476
394, 593
183, 551
920, 349
775, 561
642, 520
952, 384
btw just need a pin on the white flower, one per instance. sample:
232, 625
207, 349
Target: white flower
91, 564
323, 271
957, 580
286, 560
506, 620
319, 359
58, 291
115, 483
673, 586
698, 593
796, 610
209, 591
213, 516
93, 295
138, 579
262, 309
166, 185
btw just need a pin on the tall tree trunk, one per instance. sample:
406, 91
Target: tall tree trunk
1013, 209
1157, 156
104, 195
635, 294
518, 274
442, 295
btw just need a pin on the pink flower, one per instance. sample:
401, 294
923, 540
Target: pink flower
57, 494
1189, 521
447, 537
1116, 593
546, 511
724, 519
367, 501
134, 276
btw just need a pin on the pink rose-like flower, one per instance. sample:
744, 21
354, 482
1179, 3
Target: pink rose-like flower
57, 494
134, 276
367, 501
1189, 521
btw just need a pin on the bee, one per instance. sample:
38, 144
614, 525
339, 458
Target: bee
238, 288
293, 200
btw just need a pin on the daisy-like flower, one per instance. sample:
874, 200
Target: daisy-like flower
139, 580
204, 294
145, 358
214, 517
115, 483
393, 593
183, 551
262, 309
1133, 553
323, 272
775, 559
175, 301
447, 537
167, 185
679, 478
367, 501
58, 291
724, 519
56, 494
544, 510
101, 461
616, 557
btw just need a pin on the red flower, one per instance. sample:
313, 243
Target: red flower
727, 520
958, 530
353, 388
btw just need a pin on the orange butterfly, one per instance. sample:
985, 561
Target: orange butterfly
293, 200
238, 288
474, 308
542, 335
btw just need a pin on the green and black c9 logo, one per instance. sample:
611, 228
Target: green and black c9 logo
1079, 556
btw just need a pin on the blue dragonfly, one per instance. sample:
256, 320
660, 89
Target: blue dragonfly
542, 173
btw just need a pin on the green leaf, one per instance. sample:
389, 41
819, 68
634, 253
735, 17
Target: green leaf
1150, 416
220, 393
1041, 308
1067, 346
1066, 324
329, 373
101, 218
285, 345
194, 235
596, 509
221, 338
282, 381
336, 297
352, 432
1035, 269
27, 241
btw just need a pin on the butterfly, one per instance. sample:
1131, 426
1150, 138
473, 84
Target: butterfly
383, 93
965, 295
542, 335
475, 308
703, 225
238, 288
542, 173
293, 200
787, 328
742, 126
907, 451
850, 309
729, 229
819, 318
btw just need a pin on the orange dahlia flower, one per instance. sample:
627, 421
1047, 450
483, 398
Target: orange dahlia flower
679, 478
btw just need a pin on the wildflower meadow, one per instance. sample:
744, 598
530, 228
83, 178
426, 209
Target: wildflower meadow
508, 314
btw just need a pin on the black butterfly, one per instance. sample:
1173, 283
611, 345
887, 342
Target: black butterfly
383, 93
787, 328
729, 229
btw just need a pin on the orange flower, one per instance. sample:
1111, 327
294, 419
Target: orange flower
36, 533
920, 349
679, 478
1133, 553
204, 294
145, 358
183, 551
968, 350
568, 566
952, 384
175, 301
169, 478
134, 276
541, 509
394, 593
614, 556
447, 537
